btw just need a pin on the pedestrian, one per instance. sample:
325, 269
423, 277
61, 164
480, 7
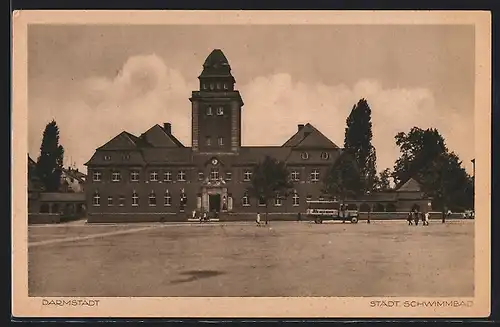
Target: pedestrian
258, 219
299, 217
368, 220
426, 218
410, 219
205, 216
416, 217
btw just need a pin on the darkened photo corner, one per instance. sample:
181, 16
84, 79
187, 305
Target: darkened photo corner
251, 161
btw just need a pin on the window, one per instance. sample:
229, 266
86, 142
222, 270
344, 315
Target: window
262, 202
295, 175
221, 141
208, 141
247, 175
153, 176
204, 86
214, 174
126, 156
168, 199
97, 176
211, 86
96, 199
229, 175
295, 199
107, 158
225, 86
121, 201
181, 176
278, 201
116, 176
167, 176
325, 155
135, 199
308, 198
152, 199
110, 201
201, 175
218, 86
304, 155
220, 111
209, 111
134, 176
315, 175
245, 200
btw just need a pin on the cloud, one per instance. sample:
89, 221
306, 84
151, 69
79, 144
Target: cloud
146, 92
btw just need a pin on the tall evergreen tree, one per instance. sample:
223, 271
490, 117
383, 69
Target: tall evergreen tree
50, 162
342, 179
358, 142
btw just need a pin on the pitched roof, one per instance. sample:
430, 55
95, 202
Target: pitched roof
310, 137
157, 136
124, 141
74, 174
216, 64
411, 185
133, 157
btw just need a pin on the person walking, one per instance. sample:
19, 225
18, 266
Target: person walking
410, 219
299, 216
258, 219
426, 218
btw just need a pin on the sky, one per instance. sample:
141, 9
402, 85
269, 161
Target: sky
97, 81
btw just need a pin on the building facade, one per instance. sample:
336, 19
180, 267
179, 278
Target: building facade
154, 176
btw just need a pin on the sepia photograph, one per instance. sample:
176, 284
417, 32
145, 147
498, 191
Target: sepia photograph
205, 158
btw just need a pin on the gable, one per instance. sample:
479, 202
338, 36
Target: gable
157, 137
310, 137
122, 141
411, 185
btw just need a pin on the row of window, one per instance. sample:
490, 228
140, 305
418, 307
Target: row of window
181, 176
324, 155
215, 86
219, 111
167, 200
220, 141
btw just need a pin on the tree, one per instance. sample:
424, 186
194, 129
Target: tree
418, 148
343, 179
382, 181
358, 141
447, 183
425, 157
50, 162
270, 179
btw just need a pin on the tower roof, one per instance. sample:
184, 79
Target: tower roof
216, 65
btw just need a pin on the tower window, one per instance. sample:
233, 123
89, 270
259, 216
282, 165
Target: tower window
211, 86
204, 86
225, 86
208, 142
209, 111
218, 86
221, 141
220, 111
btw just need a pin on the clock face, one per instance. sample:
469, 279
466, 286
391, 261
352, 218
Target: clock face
214, 161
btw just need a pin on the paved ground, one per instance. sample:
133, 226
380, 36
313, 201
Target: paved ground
385, 258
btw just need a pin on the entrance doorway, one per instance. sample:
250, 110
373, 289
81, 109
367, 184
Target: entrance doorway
214, 202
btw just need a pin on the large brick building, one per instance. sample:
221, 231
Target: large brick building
145, 177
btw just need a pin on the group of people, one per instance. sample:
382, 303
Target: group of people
202, 217
415, 216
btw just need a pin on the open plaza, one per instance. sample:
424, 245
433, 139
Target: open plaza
284, 258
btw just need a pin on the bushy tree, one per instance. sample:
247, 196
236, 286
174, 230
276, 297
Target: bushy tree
342, 179
270, 178
382, 181
358, 142
50, 162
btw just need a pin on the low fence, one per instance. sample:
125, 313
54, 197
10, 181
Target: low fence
43, 218
404, 215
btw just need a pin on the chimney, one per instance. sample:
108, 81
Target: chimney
168, 128
300, 126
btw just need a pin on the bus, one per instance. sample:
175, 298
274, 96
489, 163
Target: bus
321, 210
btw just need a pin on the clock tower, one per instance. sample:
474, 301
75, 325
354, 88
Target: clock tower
216, 108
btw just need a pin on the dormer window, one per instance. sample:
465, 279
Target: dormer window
304, 155
225, 86
218, 86
325, 155
220, 111
211, 86
209, 111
